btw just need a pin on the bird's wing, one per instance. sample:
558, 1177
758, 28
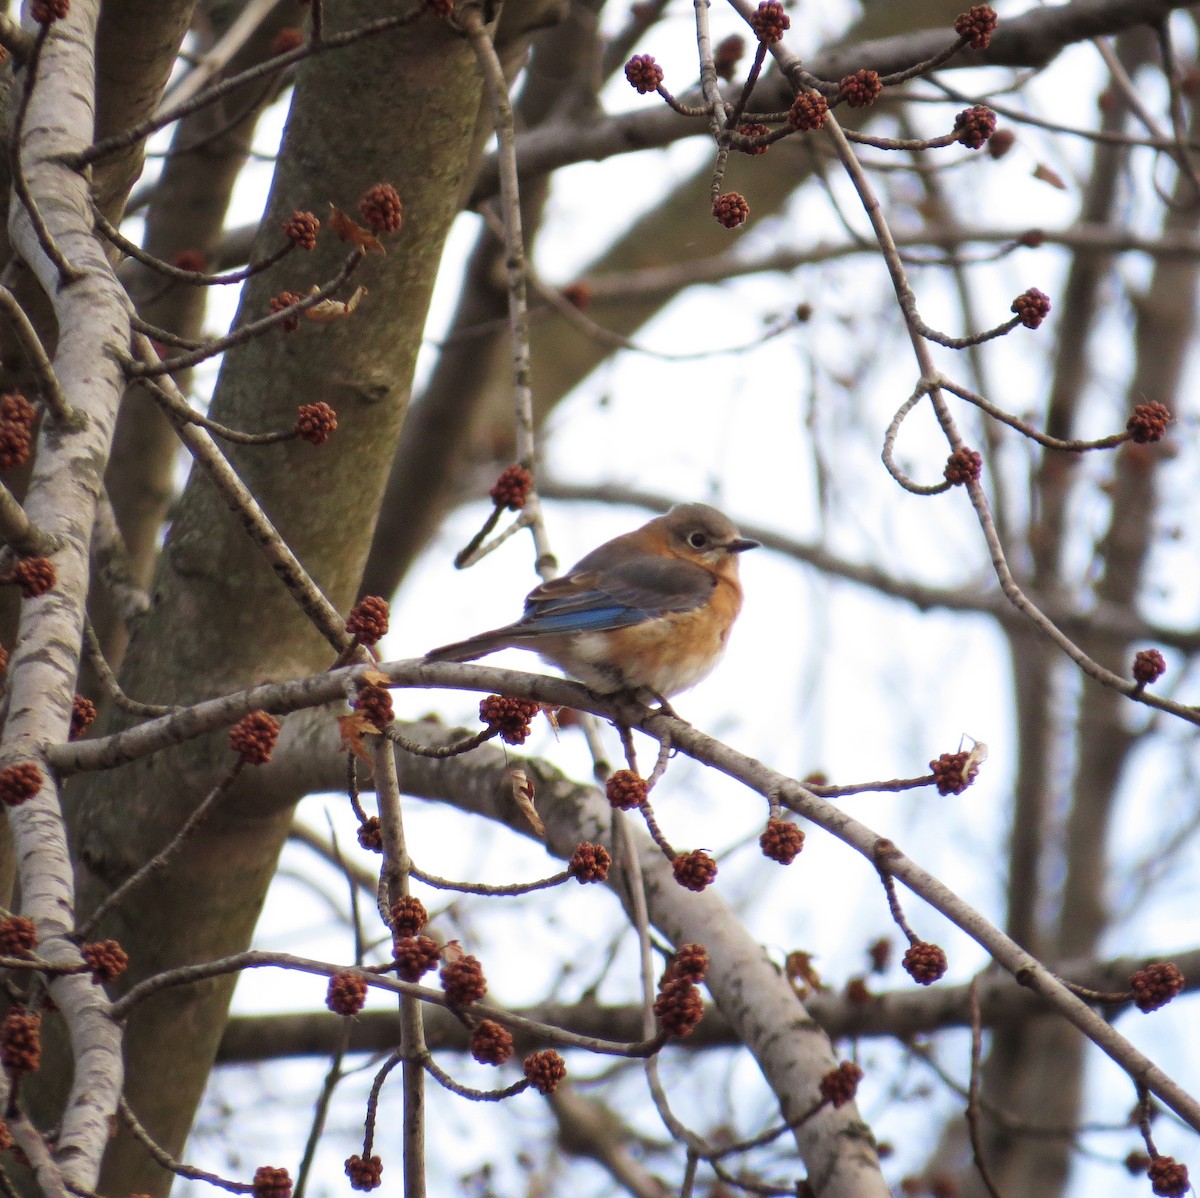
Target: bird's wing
615, 596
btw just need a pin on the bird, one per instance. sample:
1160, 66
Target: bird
648, 612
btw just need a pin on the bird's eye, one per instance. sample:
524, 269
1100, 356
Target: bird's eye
697, 540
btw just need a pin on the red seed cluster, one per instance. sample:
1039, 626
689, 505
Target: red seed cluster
315, 422
1148, 422
16, 408
301, 227
253, 737
1032, 306
924, 962
45, 11
975, 126
754, 130
17, 416
374, 704
578, 294
689, 961
289, 38
365, 1173
408, 916
370, 835
625, 790
977, 25
191, 260
694, 870
1168, 1177
286, 299
83, 716
839, 1085
1000, 143
781, 841
963, 466
21, 1041
512, 488
368, 619
16, 441
463, 981
510, 716
347, 993
861, 89
19, 783
644, 73
1137, 1163
731, 209
491, 1044
415, 956
1156, 985
35, 576
17, 936
727, 55
382, 209
952, 773
270, 1182
1148, 666
770, 21
880, 952
544, 1070
589, 863
106, 959
808, 111
678, 1007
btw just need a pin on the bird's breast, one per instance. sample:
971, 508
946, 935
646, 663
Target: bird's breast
663, 654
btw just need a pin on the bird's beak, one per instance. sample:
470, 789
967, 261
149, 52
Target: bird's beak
741, 544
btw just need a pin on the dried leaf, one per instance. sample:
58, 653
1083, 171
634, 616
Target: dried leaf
375, 678
353, 728
522, 789
1046, 175
353, 233
975, 758
330, 309
805, 980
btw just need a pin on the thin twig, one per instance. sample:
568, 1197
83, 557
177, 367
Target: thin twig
154, 366
413, 1051
168, 1162
972, 1111
164, 856
447, 1082
182, 411
49, 387
515, 265
163, 118
108, 680
17, 531
511, 888
196, 278
254, 520
215, 59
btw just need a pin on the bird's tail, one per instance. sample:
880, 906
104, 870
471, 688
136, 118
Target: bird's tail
472, 647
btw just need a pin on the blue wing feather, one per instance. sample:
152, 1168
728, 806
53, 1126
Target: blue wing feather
614, 596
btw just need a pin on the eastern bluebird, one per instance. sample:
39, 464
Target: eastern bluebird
647, 612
